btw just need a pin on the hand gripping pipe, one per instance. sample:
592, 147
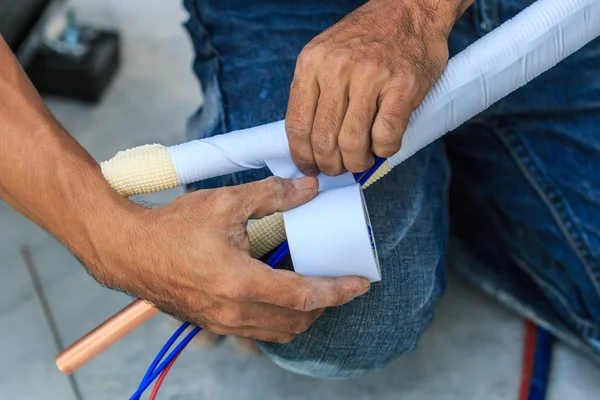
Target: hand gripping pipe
504, 60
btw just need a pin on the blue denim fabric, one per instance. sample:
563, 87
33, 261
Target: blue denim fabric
523, 200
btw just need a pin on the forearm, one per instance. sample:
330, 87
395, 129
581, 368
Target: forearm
45, 174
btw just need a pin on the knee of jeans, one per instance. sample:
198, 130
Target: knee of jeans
327, 351
369, 332
320, 361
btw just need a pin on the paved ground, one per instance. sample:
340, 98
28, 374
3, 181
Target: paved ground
471, 352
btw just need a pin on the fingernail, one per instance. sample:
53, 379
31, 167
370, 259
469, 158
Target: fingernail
363, 289
305, 183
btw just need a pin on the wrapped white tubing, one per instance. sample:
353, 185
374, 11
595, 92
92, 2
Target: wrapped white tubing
228, 153
494, 66
499, 63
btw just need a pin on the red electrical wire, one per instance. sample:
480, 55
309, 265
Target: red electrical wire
529, 346
162, 376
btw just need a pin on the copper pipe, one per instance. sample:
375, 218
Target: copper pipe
104, 335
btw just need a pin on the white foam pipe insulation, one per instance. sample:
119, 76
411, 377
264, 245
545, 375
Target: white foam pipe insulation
502, 61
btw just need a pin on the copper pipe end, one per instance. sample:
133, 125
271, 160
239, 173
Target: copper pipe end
104, 335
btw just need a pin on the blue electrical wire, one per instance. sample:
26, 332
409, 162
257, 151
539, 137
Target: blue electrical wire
276, 257
283, 247
363, 177
285, 250
163, 351
144, 385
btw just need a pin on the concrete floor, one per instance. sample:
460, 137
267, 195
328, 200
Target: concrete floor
471, 352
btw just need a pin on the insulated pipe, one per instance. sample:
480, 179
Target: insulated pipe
494, 66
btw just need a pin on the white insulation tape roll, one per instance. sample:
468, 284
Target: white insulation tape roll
330, 235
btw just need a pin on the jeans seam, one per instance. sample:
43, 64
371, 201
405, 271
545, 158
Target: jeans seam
553, 202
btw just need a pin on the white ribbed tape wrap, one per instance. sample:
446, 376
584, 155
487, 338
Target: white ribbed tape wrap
501, 62
232, 152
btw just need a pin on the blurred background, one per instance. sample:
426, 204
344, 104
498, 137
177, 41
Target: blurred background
133, 85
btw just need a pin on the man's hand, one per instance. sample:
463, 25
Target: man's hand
356, 84
192, 260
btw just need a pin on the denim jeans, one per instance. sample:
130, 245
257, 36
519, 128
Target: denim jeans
516, 190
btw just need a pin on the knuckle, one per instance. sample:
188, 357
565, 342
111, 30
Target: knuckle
341, 61
297, 128
232, 317
276, 191
224, 200
392, 128
237, 290
304, 300
306, 57
277, 185
351, 142
410, 82
369, 68
323, 143
406, 88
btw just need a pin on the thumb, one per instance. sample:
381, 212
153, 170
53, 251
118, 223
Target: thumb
275, 194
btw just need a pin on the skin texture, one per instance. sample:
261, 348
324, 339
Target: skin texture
357, 83
191, 258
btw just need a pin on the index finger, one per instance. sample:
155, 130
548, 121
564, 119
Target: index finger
302, 105
291, 290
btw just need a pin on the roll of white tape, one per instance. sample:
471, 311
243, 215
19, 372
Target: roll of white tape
332, 235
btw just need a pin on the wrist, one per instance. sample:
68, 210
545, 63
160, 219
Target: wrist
92, 219
434, 15
125, 250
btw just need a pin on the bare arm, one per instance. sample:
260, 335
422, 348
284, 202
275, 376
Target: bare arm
45, 174
190, 258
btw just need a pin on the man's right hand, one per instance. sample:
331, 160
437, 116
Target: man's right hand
192, 260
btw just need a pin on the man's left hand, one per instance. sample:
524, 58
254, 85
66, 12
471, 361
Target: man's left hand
357, 83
